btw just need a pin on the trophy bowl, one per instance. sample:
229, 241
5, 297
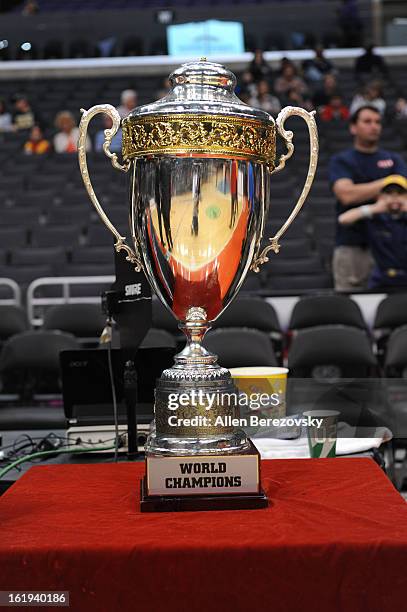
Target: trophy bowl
199, 163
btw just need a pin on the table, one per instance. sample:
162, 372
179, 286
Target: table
334, 538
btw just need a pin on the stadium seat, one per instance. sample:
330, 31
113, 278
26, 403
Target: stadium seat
251, 312
333, 367
395, 364
277, 266
240, 347
252, 284
29, 362
321, 207
53, 236
336, 351
254, 313
30, 256
305, 283
13, 320
25, 217
293, 248
67, 215
24, 275
99, 235
92, 255
296, 230
320, 310
324, 227
85, 269
157, 338
56, 182
162, 318
35, 199
12, 236
391, 313
325, 248
395, 371
84, 321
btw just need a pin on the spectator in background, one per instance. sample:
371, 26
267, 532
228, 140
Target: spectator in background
30, 8
244, 96
323, 95
128, 101
259, 68
285, 61
335, 110
386, 222
400, 109
116, 144
315, 69
264, 99
370, 65
6, 124
290, 81
165, 88
66, 139
357, 177
372, 95
23, 117
36, 144
293, 98
247, 85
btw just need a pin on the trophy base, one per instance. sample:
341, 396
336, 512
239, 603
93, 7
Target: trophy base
151, 503
170, 446
203, 482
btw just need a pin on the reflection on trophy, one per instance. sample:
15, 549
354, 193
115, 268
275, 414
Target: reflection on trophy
200, 164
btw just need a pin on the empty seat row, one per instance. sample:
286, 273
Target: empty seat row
253, 312
323, 354
327, 339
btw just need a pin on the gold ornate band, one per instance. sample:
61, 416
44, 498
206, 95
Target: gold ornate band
204, 134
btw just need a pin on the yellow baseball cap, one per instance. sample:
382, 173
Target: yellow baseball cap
395, 179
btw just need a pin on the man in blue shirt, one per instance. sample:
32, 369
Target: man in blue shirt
357, 177
386, 222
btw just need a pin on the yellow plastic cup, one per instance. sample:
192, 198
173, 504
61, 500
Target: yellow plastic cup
259, 381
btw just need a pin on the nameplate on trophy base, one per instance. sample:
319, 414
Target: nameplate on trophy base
203, 482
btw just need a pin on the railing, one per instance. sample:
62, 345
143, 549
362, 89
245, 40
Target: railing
15, 290
163, 64
65, 283
283, 304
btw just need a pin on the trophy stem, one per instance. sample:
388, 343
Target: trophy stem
194, 354
196, 376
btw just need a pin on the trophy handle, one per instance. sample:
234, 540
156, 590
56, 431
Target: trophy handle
290, 111
87, 115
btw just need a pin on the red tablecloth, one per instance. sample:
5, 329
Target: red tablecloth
334, 538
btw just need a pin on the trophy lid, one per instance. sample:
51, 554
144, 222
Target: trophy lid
200, 115
202, 87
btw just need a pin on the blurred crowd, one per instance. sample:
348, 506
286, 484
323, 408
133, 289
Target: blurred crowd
369, 209
315, 86
20, 116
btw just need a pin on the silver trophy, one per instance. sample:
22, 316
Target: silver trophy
200, 163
